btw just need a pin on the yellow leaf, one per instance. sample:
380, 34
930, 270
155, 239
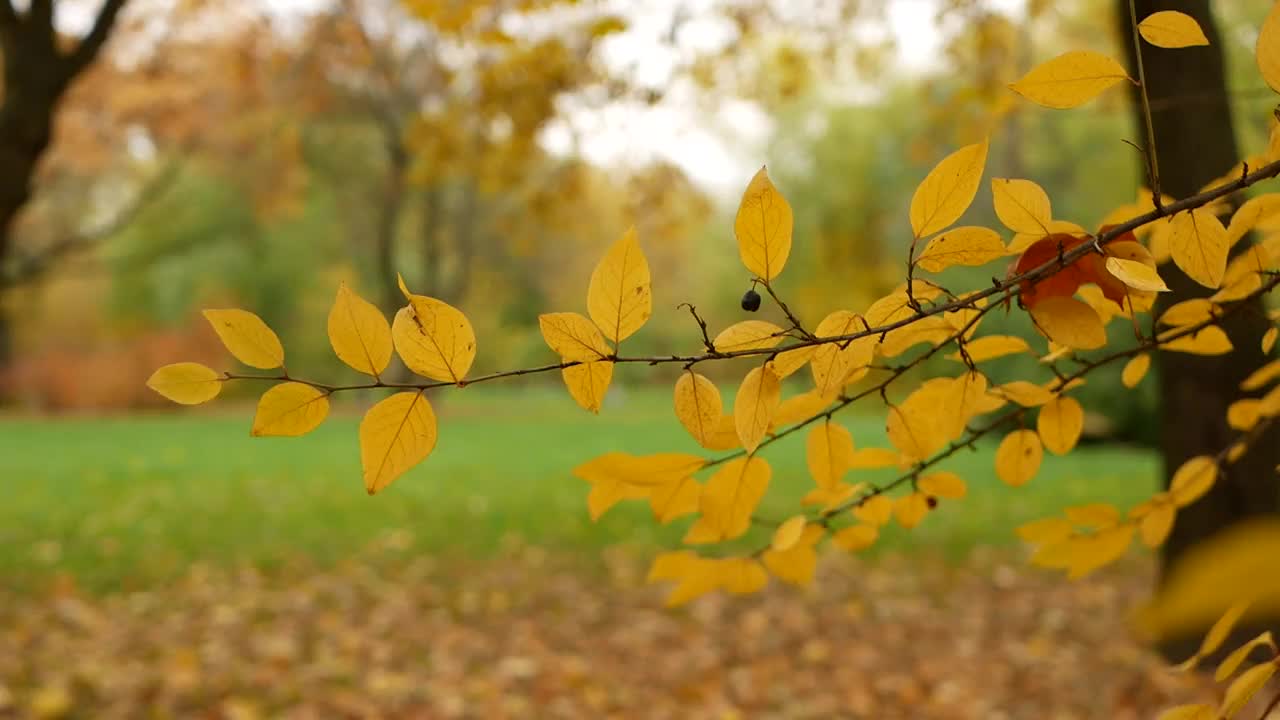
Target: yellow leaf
433, 338
1261, 211
1156, 525
1060, 424
1269, 340
396, 434
1095, 515
1026, 394
909, 510
675, 499
290, 409
868, 458
1100, 549
696, 583
732, 494
588, 382
671, 565
829, 453
1018, 457
1243, 414
831, 365
1199, 244
964, 398
916, 427
1070, 79
875, 510
748, 335
1232, 662
1193, 479
1268, 49
969, 245
607, 493
725, 436
943, 484
757, 400
788, 533
788, 361
1190, 312
1136, 275
740, 576
990, 403
895, 308
799, 408
1106, 308
659, 469
1261, 377
796, 564
690, 572
247, 338
947, 190
1061, 553
1021, 205
1171, 29
1245, 275
831, 497
619, 299
698, 406
992, 347
1190, 712
1046, 531
857, 537
186, 383
1243, 688
1221, 629
572, 337
1069, 322
1210, 340
359, 333
763, 227
1135, 370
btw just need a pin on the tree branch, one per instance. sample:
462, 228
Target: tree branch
33, 266
87, 51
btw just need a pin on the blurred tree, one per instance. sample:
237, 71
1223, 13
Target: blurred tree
38, 70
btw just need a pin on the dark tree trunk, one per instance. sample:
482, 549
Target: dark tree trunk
1194, 146
36, 75
389, 223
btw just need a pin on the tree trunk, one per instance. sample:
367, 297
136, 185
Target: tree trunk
1195, 145
36, 75
389, 224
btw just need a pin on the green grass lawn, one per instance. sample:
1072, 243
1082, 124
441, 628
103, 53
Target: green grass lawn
130, 501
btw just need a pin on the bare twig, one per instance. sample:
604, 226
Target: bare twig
795, 321
1153, 164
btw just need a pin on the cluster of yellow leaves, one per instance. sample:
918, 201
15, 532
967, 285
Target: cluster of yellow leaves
433, 338
1230, 577
619, 301
1092, 536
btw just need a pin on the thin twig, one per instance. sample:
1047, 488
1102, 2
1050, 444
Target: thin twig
795, 321
1153, 164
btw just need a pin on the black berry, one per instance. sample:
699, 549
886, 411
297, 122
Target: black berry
931, 501
751, 301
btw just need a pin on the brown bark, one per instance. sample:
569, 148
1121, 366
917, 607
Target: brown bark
1195, 145
36, 75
